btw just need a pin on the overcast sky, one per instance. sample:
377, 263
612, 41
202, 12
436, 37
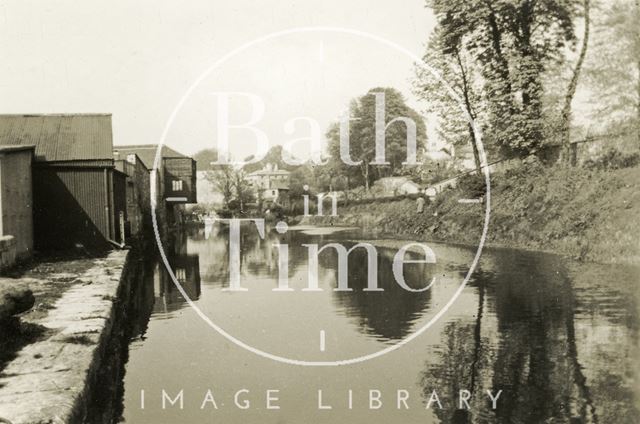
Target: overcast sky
136, 59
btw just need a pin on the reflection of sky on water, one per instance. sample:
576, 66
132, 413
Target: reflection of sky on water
558, 338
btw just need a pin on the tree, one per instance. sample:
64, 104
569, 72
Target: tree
362, 135
232, 184
573, 85
222, 180
336, 167
446, 54
613, 69
512, 42
204, 158
241, 188
274, 157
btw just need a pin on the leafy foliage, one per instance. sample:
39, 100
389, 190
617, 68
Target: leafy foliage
456, 112
204, 158
613, 159
233, 186
362, 111
613, 69
512, 43
472, 185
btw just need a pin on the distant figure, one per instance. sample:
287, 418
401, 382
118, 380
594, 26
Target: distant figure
420, 204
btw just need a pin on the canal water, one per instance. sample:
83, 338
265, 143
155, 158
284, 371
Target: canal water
558, 338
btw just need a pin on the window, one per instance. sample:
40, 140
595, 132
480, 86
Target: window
176, 185
131, 158
181, 275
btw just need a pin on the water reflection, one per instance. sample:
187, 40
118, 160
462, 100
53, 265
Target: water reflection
389, 314
158, 293
558, 338
530, 348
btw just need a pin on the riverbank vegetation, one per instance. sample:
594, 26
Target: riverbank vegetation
588, 214
554, 89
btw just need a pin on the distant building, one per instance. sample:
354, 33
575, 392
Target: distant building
393, 186
78, 195
450, 155
16, 203
271, 184
138, 194
444, 155
174, 178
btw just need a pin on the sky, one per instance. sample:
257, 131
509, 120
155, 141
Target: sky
138, 59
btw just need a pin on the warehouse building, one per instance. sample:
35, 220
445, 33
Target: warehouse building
16, 204
79, 198
174, 177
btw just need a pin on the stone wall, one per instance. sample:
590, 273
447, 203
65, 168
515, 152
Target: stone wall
52, 380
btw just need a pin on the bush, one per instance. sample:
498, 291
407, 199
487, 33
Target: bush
225, 213
276, 211
613, 159
472, 185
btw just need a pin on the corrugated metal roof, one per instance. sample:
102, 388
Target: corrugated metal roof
65, 137
147, 152
8, 149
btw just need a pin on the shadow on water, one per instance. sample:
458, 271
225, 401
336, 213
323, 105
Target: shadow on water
534, 357
151, 290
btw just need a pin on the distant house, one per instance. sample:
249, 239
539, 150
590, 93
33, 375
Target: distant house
444, 155
450, 155
271, 184
78, 195
174, 178
393, 186
16, 203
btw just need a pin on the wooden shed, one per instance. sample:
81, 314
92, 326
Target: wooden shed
16, 202
78, 196
175, 177
178, 171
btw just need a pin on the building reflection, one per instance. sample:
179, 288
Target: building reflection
154, 292
185, 268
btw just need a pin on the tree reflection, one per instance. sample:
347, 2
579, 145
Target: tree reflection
388, 314
534, 360
462, 357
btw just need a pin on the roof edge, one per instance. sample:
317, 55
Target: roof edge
36, 115
16, 148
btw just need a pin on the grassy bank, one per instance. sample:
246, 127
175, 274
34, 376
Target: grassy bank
586, 214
